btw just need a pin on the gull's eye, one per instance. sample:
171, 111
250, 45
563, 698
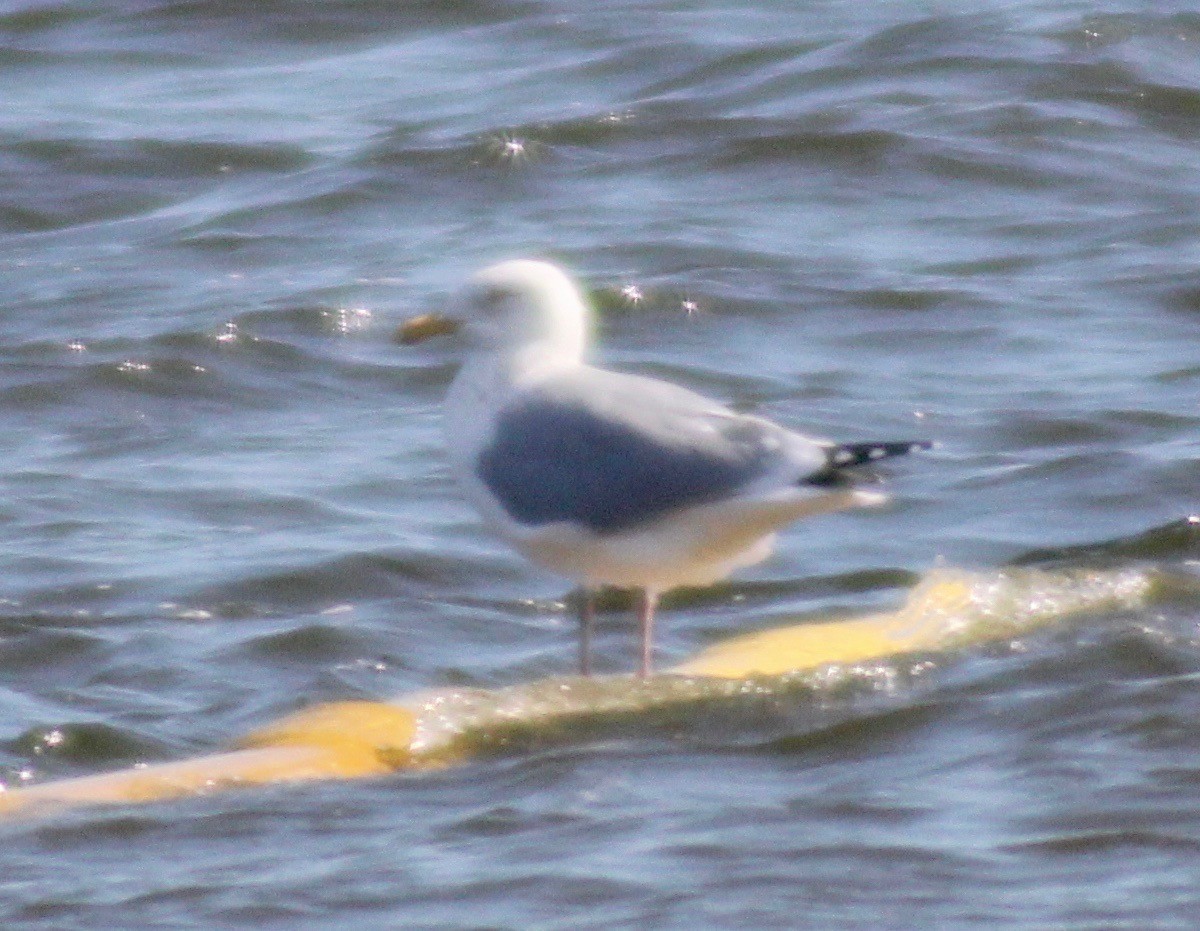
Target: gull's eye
494, 299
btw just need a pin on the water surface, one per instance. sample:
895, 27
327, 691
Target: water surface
224, 492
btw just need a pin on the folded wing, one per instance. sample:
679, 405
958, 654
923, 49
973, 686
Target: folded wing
610, 451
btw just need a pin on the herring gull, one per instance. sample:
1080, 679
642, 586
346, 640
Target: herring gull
613, 479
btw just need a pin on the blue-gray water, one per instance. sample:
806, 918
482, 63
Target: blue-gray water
224, 495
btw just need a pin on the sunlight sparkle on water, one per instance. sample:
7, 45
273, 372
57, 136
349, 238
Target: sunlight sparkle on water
510, 150
347, 319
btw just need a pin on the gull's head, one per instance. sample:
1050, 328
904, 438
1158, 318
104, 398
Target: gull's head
514, 306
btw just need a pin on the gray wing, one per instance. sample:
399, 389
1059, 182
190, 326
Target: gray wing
611, 451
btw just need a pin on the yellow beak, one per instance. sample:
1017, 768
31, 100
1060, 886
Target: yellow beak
426, 326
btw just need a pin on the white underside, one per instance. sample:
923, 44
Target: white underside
696, 546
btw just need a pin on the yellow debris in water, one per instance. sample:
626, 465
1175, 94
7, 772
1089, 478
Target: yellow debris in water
358, 738
340, 740
917, 626
354, 739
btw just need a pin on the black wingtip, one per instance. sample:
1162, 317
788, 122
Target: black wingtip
848, 455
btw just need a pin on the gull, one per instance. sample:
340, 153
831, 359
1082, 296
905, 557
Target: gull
613, 479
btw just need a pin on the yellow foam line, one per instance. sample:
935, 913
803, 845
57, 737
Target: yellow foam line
783, 650
357, 738
340, 740
354, 739
174, 780
776, 652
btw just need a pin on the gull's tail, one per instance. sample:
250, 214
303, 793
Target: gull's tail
842, 456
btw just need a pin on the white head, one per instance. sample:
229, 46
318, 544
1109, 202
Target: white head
525, 304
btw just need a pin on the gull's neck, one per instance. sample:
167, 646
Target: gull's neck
514, 366
557, 325
551, 332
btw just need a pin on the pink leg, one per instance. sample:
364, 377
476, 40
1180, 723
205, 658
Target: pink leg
647, 601
587, 618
